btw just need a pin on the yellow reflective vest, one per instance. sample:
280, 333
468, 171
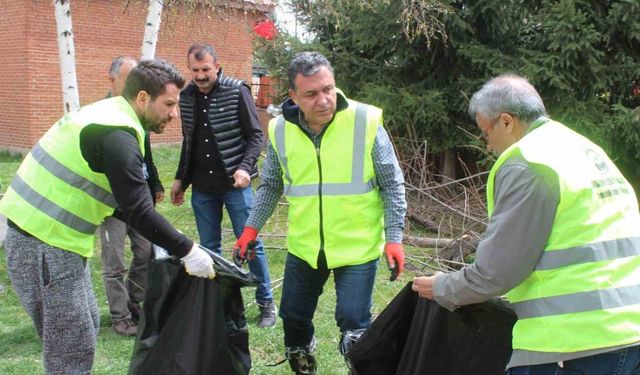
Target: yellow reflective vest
334, 202
55, 196
584, 292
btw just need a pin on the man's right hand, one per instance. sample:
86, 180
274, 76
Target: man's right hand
198, 263
177, 194
424, 285
249, 235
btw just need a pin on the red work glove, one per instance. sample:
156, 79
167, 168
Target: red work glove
243, 246
395, 259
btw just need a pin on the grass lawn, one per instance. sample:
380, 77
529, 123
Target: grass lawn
20, 348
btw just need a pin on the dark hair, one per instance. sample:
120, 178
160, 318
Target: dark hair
116, 64
152, 76
306, 63
200, 50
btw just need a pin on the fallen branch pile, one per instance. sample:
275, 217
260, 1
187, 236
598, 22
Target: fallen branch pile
445, 218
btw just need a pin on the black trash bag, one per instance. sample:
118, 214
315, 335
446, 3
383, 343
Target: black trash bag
193, 325
416, 336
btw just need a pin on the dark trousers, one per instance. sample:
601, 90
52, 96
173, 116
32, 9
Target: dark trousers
207, 208
122, 286
620, 362
303, 286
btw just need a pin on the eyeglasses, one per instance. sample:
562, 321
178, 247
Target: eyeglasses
485, 132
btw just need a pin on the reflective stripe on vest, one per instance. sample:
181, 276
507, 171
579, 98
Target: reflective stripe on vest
59, 170
584, 292
593, 252
48, 207
356, 186
579, 302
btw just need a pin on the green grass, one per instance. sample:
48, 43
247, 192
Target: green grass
21, 349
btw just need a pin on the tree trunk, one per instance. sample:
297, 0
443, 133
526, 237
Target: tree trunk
151, 30
455, 250
449, 165
67, 55
430, 242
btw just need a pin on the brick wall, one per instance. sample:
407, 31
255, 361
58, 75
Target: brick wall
15, 74
30, 87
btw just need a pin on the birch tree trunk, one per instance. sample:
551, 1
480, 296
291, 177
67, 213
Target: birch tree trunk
67, 55
151, 30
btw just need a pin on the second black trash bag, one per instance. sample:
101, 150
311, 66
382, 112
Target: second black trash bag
193, 325
416, 336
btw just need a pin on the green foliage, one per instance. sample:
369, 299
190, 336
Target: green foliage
9, 163
624, 127
413, 105
276, 54
421, 60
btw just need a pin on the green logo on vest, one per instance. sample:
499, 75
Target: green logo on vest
598, 162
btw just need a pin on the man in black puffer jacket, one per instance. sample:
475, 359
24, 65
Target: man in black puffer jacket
222, 139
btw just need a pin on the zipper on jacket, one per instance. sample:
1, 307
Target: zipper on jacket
320, 196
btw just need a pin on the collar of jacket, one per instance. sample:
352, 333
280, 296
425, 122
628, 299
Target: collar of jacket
291, 111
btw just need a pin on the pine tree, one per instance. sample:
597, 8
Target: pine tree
420, 60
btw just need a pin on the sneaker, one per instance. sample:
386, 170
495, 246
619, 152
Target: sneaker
301, 358
136, 311
125, 327
267, 315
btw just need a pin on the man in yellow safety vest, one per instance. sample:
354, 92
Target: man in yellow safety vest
333, 160
563, 241
87, 165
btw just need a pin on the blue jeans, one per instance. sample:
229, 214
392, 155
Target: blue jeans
207, 208
303, 285
620, 362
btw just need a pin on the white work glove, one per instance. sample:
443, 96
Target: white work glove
198, 263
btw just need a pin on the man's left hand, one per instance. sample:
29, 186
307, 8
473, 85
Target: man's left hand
159, 196
395, 258
241, 179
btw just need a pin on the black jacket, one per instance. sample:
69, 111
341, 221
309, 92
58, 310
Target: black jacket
236, 131
155, 185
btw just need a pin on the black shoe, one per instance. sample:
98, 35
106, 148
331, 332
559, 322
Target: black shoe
136, 311
125, 327
267, 315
